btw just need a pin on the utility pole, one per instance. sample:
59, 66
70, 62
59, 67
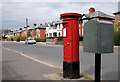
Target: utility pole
26, 27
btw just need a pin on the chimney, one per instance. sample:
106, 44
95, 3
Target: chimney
20, 28
34, 24
45, 23
91, 10
27, 25
40, 24
26, 21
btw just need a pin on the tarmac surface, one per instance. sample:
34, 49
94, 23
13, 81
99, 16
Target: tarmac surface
17, 67
53, 55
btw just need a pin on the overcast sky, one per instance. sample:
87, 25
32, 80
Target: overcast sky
15, 13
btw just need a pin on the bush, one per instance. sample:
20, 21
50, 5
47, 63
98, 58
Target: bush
22, 38
40, 39
7, 39
3, 39
18, 39
60, 39
11, 39
29, 34
14, 39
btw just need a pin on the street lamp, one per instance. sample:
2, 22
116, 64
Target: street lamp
26, 27
26, 32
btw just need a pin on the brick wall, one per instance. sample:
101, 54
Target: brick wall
104, 19
116, 18
34, 33
42, 32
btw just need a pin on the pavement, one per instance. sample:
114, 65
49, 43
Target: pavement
17, 67
53, 54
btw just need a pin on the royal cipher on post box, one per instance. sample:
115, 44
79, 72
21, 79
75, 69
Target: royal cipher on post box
98, 36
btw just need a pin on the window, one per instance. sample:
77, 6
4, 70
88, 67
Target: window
50, 34
59, 34
38, 35
54, 34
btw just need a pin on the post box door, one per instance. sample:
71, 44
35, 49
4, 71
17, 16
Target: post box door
68, 42
68, 49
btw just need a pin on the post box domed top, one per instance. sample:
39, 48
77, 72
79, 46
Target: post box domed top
71, 15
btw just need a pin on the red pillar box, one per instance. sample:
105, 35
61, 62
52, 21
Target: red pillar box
71, 45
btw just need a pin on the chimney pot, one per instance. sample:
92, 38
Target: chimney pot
27, 25
91, 10
45, 23
40, 24
35, 24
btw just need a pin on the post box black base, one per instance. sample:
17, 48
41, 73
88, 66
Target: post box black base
71, 70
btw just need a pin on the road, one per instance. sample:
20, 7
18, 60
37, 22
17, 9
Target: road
53, 55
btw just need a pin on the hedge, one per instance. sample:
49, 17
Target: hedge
40, 39
22, 38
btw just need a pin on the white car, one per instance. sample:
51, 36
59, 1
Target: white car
30, 41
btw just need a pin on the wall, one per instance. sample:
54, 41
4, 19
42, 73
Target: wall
116, 18
33, 33
42, 32
104, 19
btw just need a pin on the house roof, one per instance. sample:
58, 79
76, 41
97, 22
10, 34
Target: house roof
42, 26
33, 27
29, 28
10, 33
116, 13
57, 22
18, 31
98, 14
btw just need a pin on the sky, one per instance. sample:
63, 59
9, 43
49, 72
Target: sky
15, 13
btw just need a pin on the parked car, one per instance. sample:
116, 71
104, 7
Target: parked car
30, 41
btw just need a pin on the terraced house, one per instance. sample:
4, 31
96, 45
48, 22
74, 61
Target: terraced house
35, 31
95, 15
54, 29
117, 17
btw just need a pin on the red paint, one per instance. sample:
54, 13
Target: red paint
71, 41
91, 10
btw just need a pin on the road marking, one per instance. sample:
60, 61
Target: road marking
32, 58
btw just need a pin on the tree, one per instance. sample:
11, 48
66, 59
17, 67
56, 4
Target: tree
29, 34
117, 33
